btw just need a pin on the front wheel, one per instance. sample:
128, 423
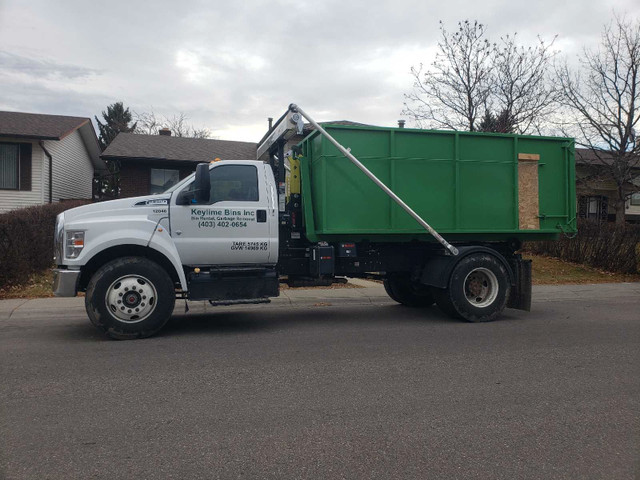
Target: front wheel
478, 289
130, 297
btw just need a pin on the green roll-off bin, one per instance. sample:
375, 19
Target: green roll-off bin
469, 186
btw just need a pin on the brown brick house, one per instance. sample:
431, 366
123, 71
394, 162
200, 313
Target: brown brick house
597, 191
152, 163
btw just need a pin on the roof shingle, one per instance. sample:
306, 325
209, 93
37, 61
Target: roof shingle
39, 126
130, 145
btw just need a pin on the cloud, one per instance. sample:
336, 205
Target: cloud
230, 65
40, 68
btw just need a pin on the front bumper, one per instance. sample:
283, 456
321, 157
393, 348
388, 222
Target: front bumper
65, 282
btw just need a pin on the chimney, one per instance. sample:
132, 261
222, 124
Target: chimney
270, 123
401, 123
165, 132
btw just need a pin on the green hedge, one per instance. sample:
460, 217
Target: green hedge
611, 247
26, 240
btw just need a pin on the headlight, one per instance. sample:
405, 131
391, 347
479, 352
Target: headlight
74, 243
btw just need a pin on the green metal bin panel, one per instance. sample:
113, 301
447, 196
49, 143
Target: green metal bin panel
462, 183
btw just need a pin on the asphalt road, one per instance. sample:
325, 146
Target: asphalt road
320, 392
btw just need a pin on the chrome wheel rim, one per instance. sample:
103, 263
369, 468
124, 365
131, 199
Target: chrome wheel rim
131, 298
481, 287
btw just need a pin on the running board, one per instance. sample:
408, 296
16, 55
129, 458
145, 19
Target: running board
244, 301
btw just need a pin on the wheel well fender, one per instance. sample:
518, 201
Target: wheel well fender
127, 250
437, 270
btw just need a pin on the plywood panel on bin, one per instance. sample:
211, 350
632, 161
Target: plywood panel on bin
528, 205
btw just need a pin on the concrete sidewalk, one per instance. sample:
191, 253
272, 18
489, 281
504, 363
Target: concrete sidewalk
370, 293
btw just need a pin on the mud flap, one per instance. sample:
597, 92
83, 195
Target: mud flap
520, 297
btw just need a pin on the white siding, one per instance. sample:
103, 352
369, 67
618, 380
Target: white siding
12, 199
72, 168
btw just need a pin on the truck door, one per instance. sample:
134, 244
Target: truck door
233, 228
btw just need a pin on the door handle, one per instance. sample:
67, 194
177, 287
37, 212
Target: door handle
261, 216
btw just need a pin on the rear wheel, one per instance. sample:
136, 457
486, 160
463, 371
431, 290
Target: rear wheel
412, 294
129, 298
478, 289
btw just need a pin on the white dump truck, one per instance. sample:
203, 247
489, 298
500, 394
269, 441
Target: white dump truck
231, 230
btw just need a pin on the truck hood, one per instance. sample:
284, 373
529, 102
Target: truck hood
150, 205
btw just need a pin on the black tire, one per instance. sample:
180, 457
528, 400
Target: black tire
401, 289
130, 297
478, 290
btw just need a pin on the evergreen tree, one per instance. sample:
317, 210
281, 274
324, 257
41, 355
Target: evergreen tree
502, 123
116, 120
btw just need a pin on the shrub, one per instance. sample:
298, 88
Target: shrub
608, 246
26, 240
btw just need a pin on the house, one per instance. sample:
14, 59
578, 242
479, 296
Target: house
597, 191
152, 163
46, 158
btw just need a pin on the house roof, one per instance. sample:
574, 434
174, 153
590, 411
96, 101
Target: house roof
587, 156
165, 147
39, 126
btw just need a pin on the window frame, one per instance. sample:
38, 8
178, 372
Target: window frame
164, 170
257, 184
18, 164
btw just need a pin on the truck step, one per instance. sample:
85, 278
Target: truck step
244, 301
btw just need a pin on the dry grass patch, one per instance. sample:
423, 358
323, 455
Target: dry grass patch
552, 271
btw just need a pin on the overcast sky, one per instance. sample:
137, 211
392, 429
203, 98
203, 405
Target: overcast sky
230, 65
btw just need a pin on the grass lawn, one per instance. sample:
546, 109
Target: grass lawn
551, 271
546, 271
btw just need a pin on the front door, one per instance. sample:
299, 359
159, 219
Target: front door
233, 227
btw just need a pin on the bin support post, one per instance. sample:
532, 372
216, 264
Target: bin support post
454, 251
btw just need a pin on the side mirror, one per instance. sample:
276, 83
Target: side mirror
202, 183
185, 198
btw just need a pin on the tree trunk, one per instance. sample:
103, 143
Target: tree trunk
620, 211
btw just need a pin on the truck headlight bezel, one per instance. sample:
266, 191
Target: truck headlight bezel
58, 240
74, 243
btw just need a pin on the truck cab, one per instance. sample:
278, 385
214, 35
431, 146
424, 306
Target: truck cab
213, 236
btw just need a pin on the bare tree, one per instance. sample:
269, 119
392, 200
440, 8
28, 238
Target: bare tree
149, 123
453, 92
603, 99
521, 89
473, 83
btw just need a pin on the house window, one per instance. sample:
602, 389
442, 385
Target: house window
594, 206
162, 179
635, 199
9, 165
